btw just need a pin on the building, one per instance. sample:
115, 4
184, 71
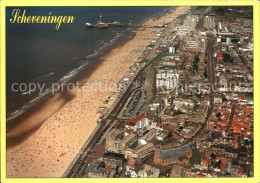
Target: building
167, 80
96, 170
179, 155
171, 50
176, 171
130, 164
142, 123
113, 158
138, 150
147, 171
209, 22
218, 99
117, 141
132, 124
157, 106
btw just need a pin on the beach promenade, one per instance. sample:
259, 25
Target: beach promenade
56, 142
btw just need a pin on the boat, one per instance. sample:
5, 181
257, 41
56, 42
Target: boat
89, 25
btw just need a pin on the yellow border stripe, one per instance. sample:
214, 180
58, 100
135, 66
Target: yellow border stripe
256, 30
2, 92
129, 3
253, 3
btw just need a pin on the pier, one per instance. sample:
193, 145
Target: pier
137, 25
101, 24
107, 121
127, 25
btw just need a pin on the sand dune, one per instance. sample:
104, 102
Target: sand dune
48, 151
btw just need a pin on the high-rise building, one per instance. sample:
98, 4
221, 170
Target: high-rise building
209, 22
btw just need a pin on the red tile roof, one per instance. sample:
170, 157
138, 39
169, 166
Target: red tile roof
223, 166
201, 176
188, 170
135, 119
241, 170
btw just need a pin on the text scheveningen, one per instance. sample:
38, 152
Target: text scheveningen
18, 17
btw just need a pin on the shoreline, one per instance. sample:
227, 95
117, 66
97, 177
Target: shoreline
58, 138
13, 123
65, 96
119, 42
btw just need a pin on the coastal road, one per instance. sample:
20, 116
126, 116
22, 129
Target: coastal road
151, 58
77, 166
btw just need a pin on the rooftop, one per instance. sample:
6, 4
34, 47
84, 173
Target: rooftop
174, 153
112, 155
95, 168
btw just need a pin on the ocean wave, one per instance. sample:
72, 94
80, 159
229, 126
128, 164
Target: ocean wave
103, 46
22, 110
67, 77
72, 73
44, 76
48, 91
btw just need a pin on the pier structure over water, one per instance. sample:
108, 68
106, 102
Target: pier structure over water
101, 24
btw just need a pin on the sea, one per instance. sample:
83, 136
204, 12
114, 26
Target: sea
39, 54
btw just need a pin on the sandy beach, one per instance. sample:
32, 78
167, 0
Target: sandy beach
60, 128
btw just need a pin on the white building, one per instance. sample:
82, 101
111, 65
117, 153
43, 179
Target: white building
167, 80
171, 50
142, 123
209, 22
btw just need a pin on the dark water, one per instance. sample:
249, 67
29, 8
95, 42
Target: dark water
37, 53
